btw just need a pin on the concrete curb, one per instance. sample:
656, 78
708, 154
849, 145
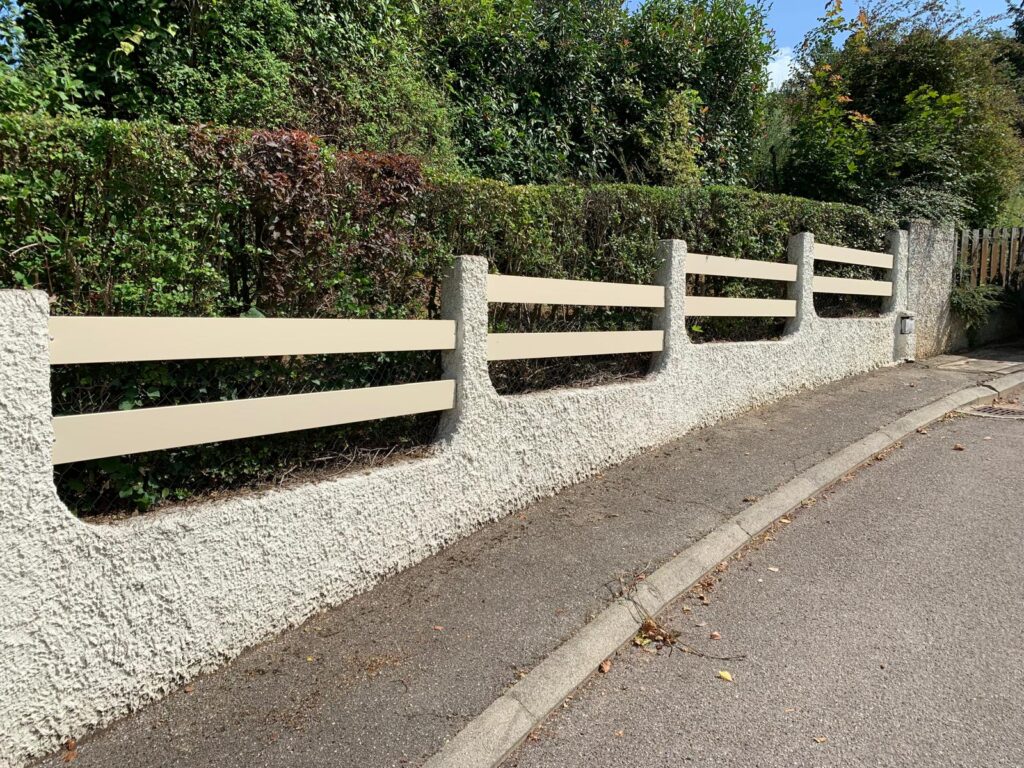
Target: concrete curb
491, 736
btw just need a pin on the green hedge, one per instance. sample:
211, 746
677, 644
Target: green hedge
147, 219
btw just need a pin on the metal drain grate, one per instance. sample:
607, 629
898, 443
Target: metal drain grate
1000, 411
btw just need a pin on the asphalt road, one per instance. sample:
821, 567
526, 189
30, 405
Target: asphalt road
883, 627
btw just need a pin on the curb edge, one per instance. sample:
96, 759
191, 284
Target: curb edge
490, 737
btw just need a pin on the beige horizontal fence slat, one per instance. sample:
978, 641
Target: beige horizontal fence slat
531, 346
852, 256
511, 289
854, 287
115, 433
78, 340
724, 266
714, 306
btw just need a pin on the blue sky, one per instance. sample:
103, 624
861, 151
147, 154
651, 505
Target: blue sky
791, 19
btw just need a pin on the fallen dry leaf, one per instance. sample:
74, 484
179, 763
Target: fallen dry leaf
619, 734
959, 447
70, 751
189, 688
785, 520
438, 628
605, 666
773, 570
716, 635
725, 675
751, 499
922, 431
820, 739
787, 710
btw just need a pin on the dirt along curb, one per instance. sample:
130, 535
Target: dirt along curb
490, 737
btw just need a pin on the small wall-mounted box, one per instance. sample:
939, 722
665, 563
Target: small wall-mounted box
907, 321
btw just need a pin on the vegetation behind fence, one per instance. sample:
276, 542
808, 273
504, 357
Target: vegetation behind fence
145, 219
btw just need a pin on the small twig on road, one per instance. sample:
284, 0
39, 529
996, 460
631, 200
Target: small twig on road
695, 652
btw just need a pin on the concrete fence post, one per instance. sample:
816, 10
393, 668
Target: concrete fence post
26, 427
931, 259
672, 319
35, 531
898, 244
801, 253
464, 300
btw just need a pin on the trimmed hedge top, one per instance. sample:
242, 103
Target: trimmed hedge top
144, 218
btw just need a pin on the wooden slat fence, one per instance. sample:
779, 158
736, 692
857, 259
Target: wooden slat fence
992, 256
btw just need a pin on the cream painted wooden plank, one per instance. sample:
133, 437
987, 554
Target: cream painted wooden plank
855, 287
700, 264
824, 252
511, 289
115, 433
529, 346
122, 339
714, 306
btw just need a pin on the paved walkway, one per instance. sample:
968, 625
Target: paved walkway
883, 627
386, 678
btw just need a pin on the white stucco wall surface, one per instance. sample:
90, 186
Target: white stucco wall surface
98, 620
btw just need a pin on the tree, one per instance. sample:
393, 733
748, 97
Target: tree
909, 109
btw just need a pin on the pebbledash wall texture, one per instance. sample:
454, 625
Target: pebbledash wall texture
98, 620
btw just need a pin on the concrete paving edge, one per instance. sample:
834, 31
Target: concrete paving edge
491, 736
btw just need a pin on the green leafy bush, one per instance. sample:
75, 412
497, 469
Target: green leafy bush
975, 305
518, 90
149, 219
344, 69
545, 91
909, 109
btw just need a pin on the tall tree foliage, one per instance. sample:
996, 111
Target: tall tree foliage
524, 90
344, 69
545, 89
910, 109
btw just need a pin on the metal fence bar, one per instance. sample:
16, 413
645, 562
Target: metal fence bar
531, 346
115, 433
824, 252
699, 264
854, 287
713, 306
123, 339
510, 289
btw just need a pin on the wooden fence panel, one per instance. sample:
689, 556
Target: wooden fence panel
992, 256
715, 306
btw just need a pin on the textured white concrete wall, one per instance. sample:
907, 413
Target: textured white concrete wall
932, 258
98, 620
